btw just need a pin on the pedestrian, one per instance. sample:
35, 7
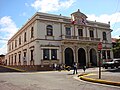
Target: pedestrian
54, 66
84, 68
75, 68
59, 67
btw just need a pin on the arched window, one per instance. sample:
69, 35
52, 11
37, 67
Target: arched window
49, 29
104, 36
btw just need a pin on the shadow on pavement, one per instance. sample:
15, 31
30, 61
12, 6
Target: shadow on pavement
117, 70
4, 70
70, 74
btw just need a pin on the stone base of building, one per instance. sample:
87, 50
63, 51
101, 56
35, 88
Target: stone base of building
33, 67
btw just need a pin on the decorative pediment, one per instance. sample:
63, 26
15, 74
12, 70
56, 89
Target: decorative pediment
67, 25
80, 26
78, 17
79, 14
91, 28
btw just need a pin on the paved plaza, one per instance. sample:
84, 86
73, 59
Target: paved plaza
50, 80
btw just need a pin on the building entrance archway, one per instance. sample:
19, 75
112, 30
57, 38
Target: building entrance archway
69, 58
93, 57
81, 57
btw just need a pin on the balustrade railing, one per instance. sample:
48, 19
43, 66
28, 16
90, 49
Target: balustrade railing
80, 38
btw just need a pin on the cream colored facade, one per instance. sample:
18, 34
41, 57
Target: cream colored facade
46, 39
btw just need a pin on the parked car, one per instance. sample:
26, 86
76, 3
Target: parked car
112, 64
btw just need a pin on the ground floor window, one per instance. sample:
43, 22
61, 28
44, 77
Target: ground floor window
108, 54
15, 59
54, 54
103, 54
9, 59
19, 58
46, 54
49, 54
24, 59
31, 51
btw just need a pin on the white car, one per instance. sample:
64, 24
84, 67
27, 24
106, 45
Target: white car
113, 63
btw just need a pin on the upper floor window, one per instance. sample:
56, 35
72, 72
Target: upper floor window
68, 31
32, 32
9, 47
12, 45
20, 40
25, 37
104, 36
80, 32
91, 33
15, 43
49, 30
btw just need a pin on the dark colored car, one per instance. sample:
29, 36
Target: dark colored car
112, 64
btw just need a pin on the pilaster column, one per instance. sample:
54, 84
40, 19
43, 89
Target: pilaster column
62, 53
87, 56
75, 55
106, 54
86, 31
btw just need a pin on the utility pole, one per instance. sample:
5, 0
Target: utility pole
99, 54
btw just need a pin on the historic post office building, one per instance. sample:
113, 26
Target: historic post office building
47, 39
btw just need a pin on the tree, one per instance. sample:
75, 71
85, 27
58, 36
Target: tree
116, 49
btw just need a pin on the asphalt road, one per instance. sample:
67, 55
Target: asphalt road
49, 80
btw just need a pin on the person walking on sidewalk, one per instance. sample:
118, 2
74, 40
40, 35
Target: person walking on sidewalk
75, 68
84, 68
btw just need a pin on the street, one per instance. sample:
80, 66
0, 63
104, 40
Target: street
49, 80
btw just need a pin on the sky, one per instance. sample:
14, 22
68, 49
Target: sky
15, 13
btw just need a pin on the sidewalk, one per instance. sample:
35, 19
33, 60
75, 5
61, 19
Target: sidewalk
107, 77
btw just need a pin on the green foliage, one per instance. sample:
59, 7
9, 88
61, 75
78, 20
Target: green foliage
116, 49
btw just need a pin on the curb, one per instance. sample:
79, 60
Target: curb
82, 77
13, 68
83, 74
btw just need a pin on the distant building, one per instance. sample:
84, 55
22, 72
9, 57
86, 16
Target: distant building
47, 39
2, 59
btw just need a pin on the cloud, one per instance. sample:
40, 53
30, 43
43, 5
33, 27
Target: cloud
3, 49
7, 29
23, 14
116, 36
26, 4
51, 5
105, 18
